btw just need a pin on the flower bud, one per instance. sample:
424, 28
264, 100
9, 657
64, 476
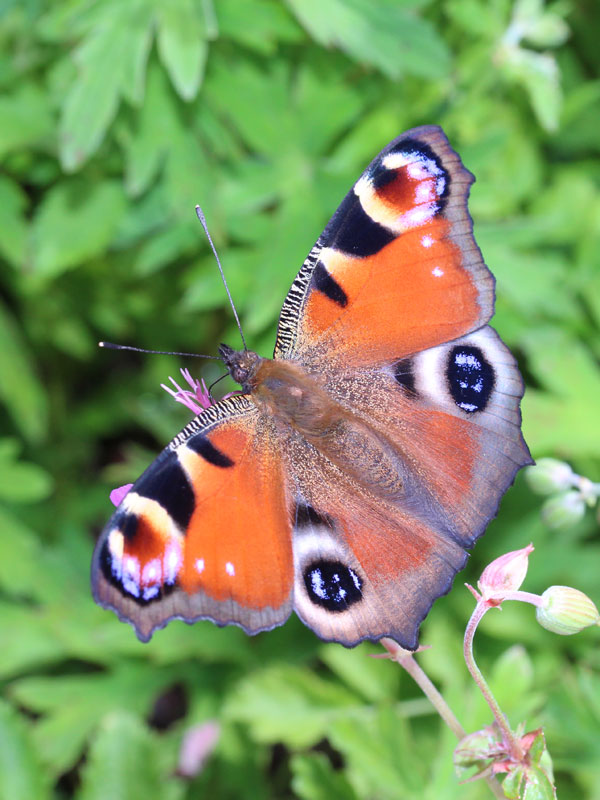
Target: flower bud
549, 475
565, 611
564, 509
117, 495
505, 574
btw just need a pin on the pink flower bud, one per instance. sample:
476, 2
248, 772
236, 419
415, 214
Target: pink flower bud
504, 575
117, 495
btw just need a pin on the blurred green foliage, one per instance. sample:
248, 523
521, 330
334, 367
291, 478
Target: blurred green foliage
117, 117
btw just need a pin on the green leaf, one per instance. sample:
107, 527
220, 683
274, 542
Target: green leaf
282, 703
381, 33
63, 729
373, 678
110, 62
20, 390
313, 778
21, 482
21, 777
27, 639
381, 754
537, 785
124, 762
262, 29
26, 118
539, 75
13, 228
75, 222
182, 44
560, 419
147, 144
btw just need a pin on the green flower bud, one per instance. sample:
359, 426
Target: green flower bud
564, 509
549, 475
565, 611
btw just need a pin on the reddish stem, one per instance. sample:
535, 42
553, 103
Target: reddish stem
512, 742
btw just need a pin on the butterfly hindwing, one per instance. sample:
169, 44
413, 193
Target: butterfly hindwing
397, 269
370, 564
191, 541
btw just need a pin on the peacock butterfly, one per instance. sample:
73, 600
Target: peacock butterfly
348, 478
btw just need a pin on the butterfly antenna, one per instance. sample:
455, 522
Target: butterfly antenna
112, 346
214, 383
202, 218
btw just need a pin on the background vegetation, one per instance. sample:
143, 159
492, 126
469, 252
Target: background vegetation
117, 117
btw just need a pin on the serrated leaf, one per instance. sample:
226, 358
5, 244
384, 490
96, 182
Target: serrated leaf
149, 141
75, 222
182, 44
21, 777
383, 34
261, 30
110, 62
20, 390
283, 703
313, 778
374, 679
380, 753
124, 762
64, 727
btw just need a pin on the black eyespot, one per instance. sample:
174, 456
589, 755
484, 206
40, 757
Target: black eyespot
332, 585
112, 574
471, 378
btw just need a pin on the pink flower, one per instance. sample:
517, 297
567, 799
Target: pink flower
197, 399
117, 495
504, 575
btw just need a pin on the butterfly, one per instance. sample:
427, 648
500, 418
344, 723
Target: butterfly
349, 477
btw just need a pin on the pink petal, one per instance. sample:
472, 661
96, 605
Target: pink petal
197, 745
505, 574
117, 495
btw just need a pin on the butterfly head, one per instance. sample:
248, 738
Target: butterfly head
242, 365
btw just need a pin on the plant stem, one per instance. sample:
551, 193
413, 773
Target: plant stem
524, 597
510, 739
406, 660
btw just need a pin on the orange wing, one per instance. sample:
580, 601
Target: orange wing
205, 533
396, 270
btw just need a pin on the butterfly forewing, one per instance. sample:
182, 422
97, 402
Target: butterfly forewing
205, 532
